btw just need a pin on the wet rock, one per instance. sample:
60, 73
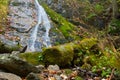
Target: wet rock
23, 19
9, 76
15, 65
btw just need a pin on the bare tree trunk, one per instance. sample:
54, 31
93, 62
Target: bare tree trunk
115, 8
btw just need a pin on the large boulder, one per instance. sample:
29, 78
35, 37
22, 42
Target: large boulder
33, 76
9, 76
21, 18
5, 48
16, 65
63, 55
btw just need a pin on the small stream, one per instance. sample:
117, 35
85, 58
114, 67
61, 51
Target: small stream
42, 21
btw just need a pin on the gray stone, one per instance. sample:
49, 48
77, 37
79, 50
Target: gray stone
57, 77
32, 76
16, 65
41, 67
53, 67
9, 76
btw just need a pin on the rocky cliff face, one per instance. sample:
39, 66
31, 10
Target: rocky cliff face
22, 19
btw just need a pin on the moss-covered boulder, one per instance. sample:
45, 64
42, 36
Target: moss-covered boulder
87, 43
61, 55
4, 48
16, 65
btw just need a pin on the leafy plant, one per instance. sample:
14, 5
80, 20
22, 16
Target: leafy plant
98, 8
115, 27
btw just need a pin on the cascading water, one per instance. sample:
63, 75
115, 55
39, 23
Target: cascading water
43, 21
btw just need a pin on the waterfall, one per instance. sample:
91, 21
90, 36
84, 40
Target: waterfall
43, 21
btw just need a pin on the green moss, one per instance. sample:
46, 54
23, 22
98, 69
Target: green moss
99, 8
3, 14
86, 66
59, 37
65, 53
68, 71
87, 43
8, 49
83, 49
33, 58
68, 29
78, 78
61, 55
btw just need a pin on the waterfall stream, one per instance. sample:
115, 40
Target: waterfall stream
43, 21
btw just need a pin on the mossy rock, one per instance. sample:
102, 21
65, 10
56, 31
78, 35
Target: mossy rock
8, 49
67, 53
33, 58
82, 49
61, 55
15, 65
68, 29
88, 43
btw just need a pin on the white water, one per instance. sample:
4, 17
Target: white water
43, 21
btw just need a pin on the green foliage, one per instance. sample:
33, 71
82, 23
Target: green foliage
40, 57
117, 60
91, 15
82, 49
86, 66
91, 57
114, 28
78, 78
3, 13
3, 2
103, 63
98, 8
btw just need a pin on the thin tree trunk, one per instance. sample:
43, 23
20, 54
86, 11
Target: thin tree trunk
115, 8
